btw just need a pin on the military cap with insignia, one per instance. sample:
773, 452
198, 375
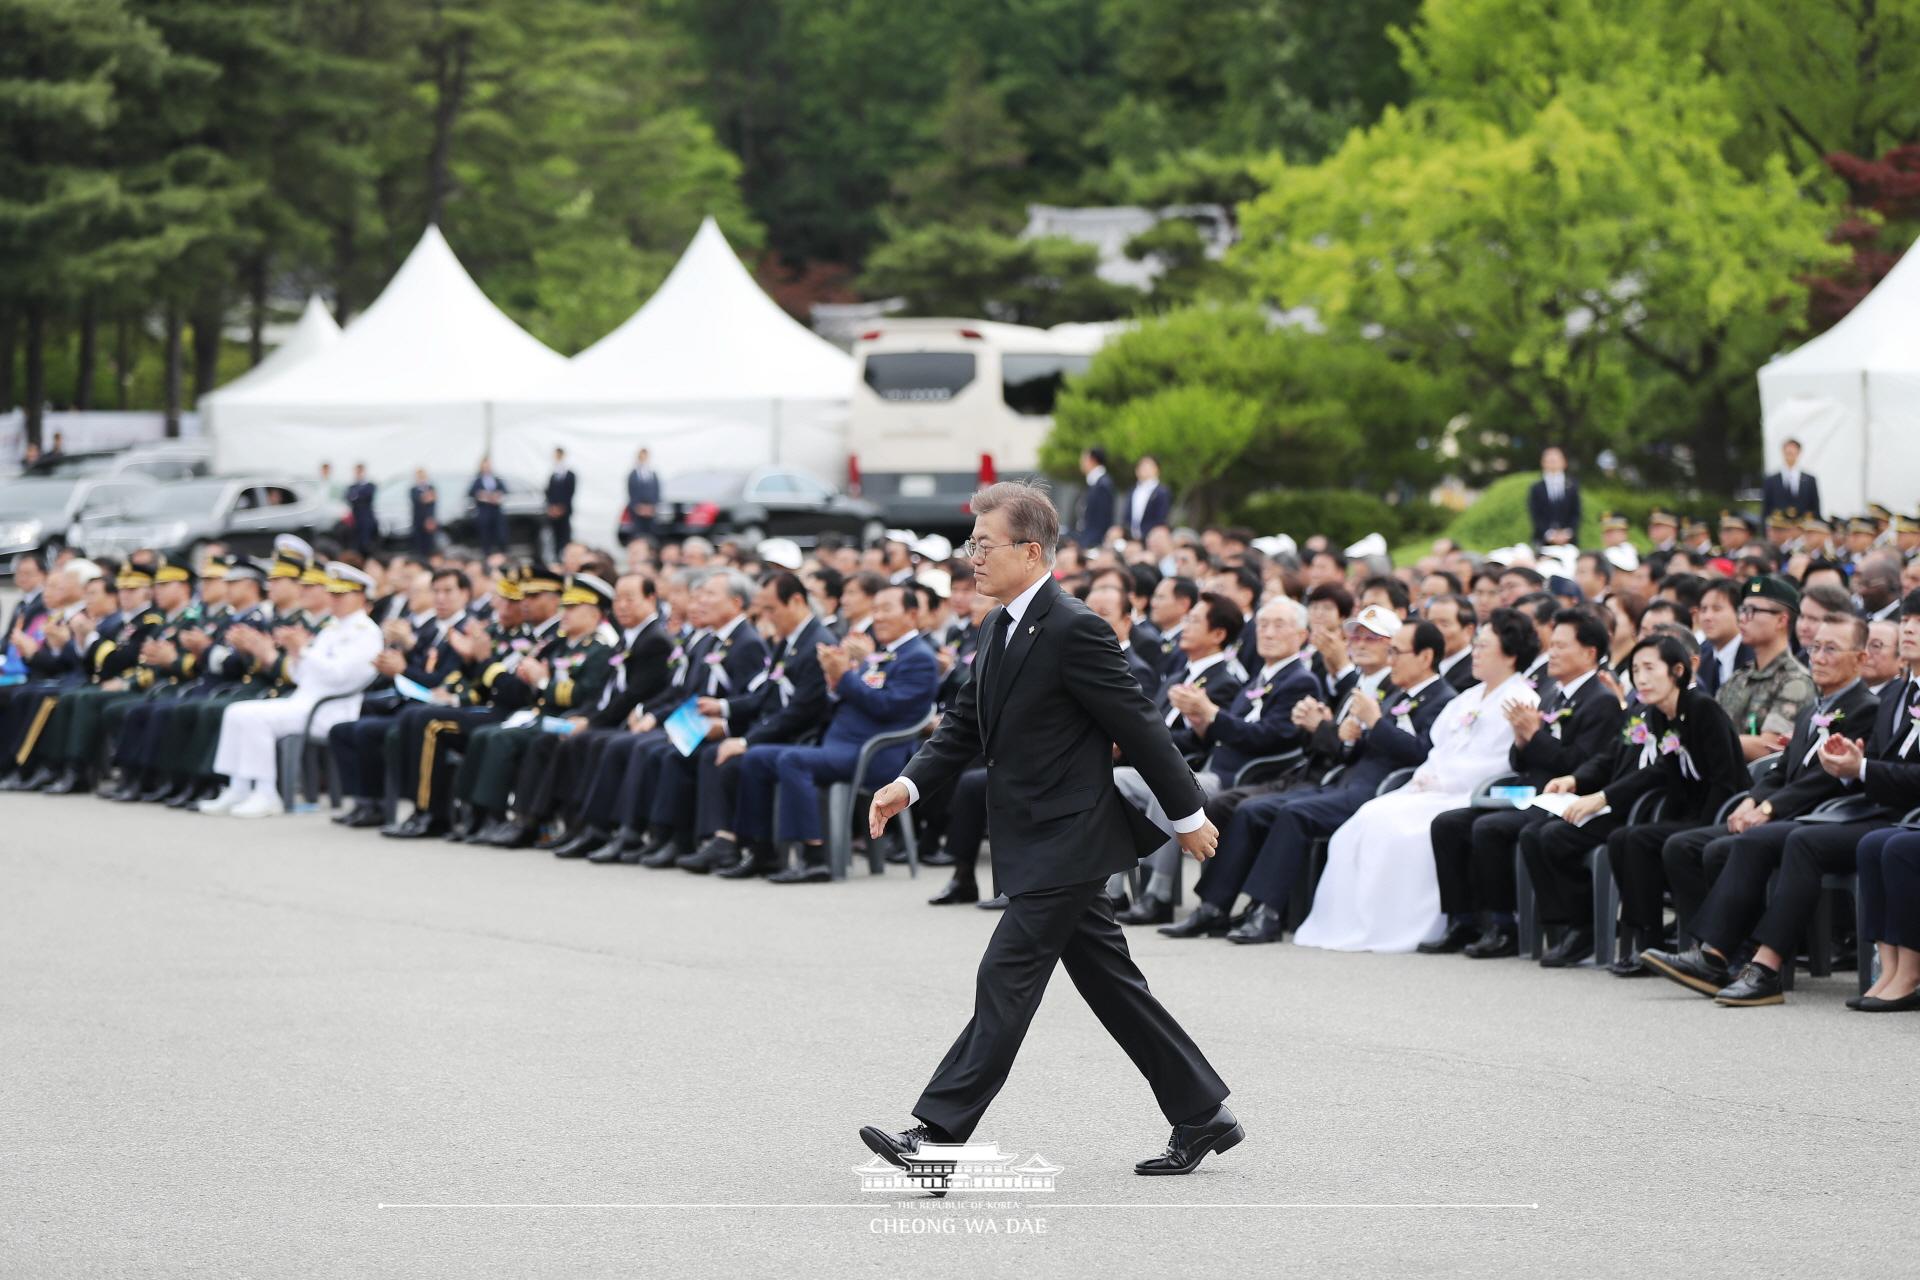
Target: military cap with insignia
1784, 518
243, 569
1863, 524
1769, 587
1905, 524
586, 588
291, 556
540, 579
1815, 522
168, 570
1734, 520
1611, 523
342, 578
1660, 515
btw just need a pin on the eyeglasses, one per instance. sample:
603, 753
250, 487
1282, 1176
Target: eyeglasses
1755, 611
1829, 650
974, 549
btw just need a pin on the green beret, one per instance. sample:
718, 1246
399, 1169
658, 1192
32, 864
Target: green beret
1778, 590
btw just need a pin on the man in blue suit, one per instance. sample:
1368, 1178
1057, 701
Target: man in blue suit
560, 488
1096, 502
1790, 489
488, 492
875, 688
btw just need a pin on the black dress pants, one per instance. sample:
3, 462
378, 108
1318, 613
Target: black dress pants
1473, 857
1072, 925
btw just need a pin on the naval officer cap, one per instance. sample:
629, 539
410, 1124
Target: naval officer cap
586, 588
343, 578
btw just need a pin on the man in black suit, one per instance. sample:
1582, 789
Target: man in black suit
360, 509
1577, 719
560, 486
488, 492
1789, 488
29, 577
1096, 501
1553, 502
643, 500
1050, 699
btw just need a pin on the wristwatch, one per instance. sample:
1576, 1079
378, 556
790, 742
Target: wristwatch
1766, 807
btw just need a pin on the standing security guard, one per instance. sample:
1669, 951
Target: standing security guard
560, 486
360, 509
426, 514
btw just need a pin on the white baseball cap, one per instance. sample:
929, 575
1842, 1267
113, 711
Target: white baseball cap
1378, 619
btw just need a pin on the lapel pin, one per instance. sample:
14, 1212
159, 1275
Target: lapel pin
1029, 630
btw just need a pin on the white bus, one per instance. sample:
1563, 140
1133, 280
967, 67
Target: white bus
942, 406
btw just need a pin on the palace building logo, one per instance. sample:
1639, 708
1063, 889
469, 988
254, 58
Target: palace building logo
958, 1166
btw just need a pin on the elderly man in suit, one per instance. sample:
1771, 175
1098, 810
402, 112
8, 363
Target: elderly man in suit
1050, 699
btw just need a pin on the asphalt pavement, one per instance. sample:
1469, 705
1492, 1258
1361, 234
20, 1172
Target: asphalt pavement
279, 1048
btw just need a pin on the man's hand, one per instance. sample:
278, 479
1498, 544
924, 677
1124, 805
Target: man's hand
159, 653
295, 642
389, 662
716, 729
1332, 645
641, 721
859, 646
946, 657
1745, 817
398, 634
1606, 677
1841, 756
57, 634
25, 643
534, 672
709, 707
1365, 708
1350, 730
729, 749
1584, 807
1310, 713
578, 722
1525, 719
1562, 785
1201, 842
835, 661
887, 801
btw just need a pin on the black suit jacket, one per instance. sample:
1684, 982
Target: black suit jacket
1547, 513
1711, 742
1893, 778
560, 486
1221, 685
1589, 728
1775, 496
1795, 782
1386, 746
1145, 674
642, 674
1046, 711
1096, 511
1708, 677
759, 715
1159, 510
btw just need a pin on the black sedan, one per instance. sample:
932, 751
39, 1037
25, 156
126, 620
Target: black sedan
768, 503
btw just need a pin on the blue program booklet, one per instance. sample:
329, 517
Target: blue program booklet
686, 727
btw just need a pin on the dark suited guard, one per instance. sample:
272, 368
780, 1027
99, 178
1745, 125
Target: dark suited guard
1050, 698
1577, 720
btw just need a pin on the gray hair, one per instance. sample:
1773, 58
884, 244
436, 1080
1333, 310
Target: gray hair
738, 585
1296, 613
1030, 513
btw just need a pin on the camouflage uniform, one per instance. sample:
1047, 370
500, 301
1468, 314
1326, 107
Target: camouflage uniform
1776, 691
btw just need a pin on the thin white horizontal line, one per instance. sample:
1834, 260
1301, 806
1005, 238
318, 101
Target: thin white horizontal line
876, 1204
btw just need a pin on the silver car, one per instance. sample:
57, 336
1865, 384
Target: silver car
40, 513
244, 512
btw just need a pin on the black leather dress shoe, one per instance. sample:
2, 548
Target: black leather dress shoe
1576, 945
1496, 943
957, 891
1204, 921
624, 848
1149, 910
553, 839
755, 860
657, 852
361, 815
998, 902
511, 835
1756, 985
894, 1148
187, 795
708, 858
1693, 968
805, 871
1120, 903
1263, 924
1899, 1004
39, 780
581, 843
65, 784
1457, 938
1189, 1144
157, 793
421, 826
937, 858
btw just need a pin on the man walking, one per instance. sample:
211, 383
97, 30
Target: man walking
1051, 697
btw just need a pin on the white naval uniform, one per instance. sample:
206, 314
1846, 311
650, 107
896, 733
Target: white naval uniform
338, 660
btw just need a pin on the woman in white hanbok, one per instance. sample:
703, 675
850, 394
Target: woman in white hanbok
1380, 891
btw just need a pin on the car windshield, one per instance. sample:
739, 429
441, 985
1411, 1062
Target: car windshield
704, 486
177, 499
35, 497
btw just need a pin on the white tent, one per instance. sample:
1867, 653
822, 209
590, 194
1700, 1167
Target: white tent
315, 332
1852, 398
710, 373
409, 382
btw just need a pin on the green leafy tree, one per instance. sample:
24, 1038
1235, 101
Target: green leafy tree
950, 269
